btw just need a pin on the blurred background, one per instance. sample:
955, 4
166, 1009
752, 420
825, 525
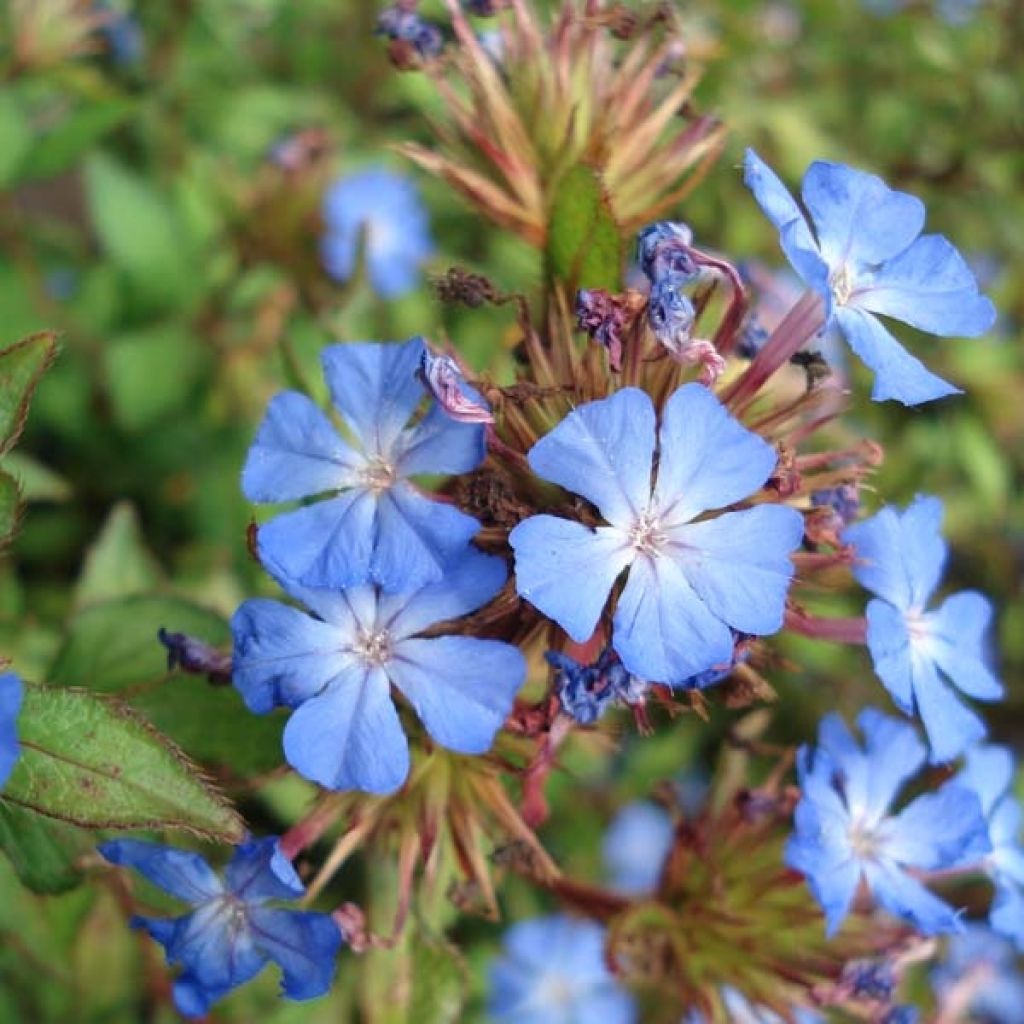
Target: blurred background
163, 172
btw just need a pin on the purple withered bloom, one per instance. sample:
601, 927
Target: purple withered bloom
690, 584
11, 694
402, 23
375, 526
336, 669
604, 317
231, 932
981, 968
586, 691
636, 845
846, 832
382, 210
869, 979
859, 245
843, 499
553, 971
989, 773
444, 380
918, 653
484, 8
671, 316
663, 250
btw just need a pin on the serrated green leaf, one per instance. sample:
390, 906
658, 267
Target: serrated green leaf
117, 564
37, 482
91, 761
43, 852
439, 983
584, 243
21, 366
10, 503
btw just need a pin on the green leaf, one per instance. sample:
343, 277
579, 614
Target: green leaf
584, 243
21, 366
37, 482
44, 852
439, 983
91, 761
10, 504
117, 564
16, 133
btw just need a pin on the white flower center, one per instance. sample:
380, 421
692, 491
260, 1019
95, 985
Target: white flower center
646, 534
841, 284
864, 839
378, 475
374, 648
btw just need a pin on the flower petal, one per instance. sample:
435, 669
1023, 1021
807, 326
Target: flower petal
259, 871
375, 387
831, 871
461, 687
297, 453
989, 772
179, 872
931, 288
957, 644
906, 898
894, 753
302, 943
604, 451
888, 641
898, 374
350, 737
662, 630
439, 444
566, 570
10, 705
938, 830
952, 728
707, 459
1007, 916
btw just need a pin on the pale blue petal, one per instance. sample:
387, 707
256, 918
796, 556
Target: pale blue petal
635, 847
952, 728
906, 898
938, 830
191, 999
217, 955
10, 705
604, 451
179, 872
439, 444
375, 387
566, 570
350, 737
283, 656
888, 641
957, 644
663, 631
739, 564
922, 547
259, 871
989, 772
469, 584
303, 944
461, 687
417, 539
1007, 914
858, 218
352, 610
894, 753
707, 459
898, 374
1004, 830
328, 544
297, 453
832, 874
929, 287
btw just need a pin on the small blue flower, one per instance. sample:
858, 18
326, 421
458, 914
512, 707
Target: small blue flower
553, 971
690, 584
337, 670
375, 525
636, 845
845, 831
384, 211
862, 250
989, 773
983, 966
231, 932
900, 557
10, 704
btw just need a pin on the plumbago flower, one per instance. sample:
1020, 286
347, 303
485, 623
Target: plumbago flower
231, 933
337, 668
900, 556
989, 773
376, 526
980, 975
10, 705
553, 971
690, 584
382, 210
862, 250
636, 845
846, 833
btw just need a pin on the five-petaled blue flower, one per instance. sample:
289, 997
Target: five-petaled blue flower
690, 584
232, 932
376, 526
862, 250
635, 847
989, 772
981, 969
10, 705
553, 971
383, 211
845, 831
900, 557
337, 671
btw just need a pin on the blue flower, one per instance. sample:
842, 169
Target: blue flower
337, 670
845, 831
690, 584
984, 968
636, 845
10, 705
900, 557
231, 932
553, 971
375, 526
862, 250
384, 211
989, 773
